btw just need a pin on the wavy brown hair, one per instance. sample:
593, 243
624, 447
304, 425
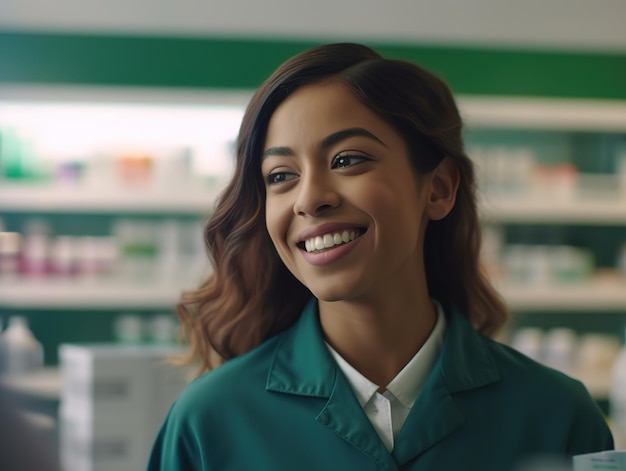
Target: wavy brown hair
251, 296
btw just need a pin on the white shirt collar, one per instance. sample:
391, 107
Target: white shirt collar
409, 381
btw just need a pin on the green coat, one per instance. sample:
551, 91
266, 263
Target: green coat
287, 406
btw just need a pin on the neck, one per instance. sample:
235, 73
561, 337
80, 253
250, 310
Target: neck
379, 336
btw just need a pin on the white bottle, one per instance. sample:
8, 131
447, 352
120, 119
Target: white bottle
20, 351
560, 348
617, 399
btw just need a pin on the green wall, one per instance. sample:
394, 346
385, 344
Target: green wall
201, 62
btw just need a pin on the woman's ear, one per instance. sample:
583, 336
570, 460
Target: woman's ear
444, 182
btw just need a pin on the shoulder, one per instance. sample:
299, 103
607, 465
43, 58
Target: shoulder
203, 408
472, 359
545, 390
518, 370
557, 408
240, 377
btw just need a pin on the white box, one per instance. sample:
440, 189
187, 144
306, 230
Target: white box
117, 379
105, 444
113, 400
604, 460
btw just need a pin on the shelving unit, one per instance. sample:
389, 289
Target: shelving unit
478, 112
89, 295
608, 296
605, 296
545, 209
98, 118
58, 199
544, 113
596, 200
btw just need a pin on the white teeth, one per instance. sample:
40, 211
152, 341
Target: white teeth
329, 240
319, 243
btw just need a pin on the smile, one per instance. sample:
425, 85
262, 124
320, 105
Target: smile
327, 241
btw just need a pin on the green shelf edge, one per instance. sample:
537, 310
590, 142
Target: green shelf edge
36, 58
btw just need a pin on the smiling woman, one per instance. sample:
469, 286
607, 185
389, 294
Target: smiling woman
347, 322
347, 170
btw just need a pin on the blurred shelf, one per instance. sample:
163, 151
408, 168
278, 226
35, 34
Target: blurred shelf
44, 384
553, 210
477, 111
57, 294
544, 113
592, 296
117, 200
57, 95
196, 201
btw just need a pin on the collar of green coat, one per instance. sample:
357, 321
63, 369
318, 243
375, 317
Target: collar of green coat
303, 365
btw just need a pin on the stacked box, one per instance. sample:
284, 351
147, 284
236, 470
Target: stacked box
614, 460
113, 400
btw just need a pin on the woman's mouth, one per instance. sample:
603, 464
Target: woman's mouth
327, 241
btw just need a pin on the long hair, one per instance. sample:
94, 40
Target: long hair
251, 295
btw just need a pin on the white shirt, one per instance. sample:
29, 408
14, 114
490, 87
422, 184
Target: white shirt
388, 411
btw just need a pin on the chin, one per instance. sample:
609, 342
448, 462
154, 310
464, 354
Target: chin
333, 294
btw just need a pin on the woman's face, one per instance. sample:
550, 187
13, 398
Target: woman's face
345, 209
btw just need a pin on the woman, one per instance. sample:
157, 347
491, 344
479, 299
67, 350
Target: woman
347, 305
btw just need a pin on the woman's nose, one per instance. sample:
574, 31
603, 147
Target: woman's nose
316, 195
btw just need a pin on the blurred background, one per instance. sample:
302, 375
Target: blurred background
117, 124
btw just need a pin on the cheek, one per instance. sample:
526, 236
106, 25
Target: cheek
388, 199
276, 224
395, 207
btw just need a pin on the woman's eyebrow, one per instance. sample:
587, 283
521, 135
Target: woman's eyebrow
339, 136
280, 151
328, 141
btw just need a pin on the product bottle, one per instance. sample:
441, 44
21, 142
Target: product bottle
10, 253
617, 399
20, 351
35, 249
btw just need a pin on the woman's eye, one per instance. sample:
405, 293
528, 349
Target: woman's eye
347, 160
279, 177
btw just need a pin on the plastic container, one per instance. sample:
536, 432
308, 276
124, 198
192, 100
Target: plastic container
561, 349
63, 256
36, 249
162, 328
128, 328
617, 398
20, 351
530, 342
10, 255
